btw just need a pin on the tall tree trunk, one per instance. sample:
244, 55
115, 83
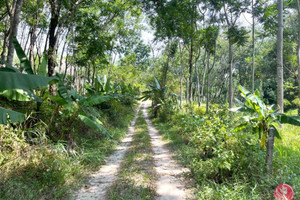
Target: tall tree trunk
165, 73
198, 85
253, 48
280, 56
298, 52
181, 74
230, 94
187, 91
4, 45
14, 23
31, 46
55, 10
63, 51
207, 82
94, 74
190, 72
203, 77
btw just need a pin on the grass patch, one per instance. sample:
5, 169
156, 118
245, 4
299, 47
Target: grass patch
42, 168
136, 179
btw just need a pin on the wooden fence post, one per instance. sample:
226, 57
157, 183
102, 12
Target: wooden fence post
270, 147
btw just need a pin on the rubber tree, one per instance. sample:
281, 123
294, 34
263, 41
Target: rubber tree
14, 13
176, 20
280, 56
236, 35
57, 21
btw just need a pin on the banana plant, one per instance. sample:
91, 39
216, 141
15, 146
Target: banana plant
18, 86
260, 116
157, 94
71, 100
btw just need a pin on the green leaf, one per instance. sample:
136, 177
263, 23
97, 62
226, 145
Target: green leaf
11, 80
157, 84
42, 71
107, 87
244, 90
20, 95
63, 92
276, 131
22, 57
13, 116
75, 95
90, 111
59, 100
241, 127
284, 119
94, 124
95, 100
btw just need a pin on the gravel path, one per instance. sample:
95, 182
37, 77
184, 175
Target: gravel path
103, 179
170, 185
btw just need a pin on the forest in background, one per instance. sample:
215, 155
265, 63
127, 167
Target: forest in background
72, 66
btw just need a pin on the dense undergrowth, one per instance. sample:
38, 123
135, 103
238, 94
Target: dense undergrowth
50, 154
229, 164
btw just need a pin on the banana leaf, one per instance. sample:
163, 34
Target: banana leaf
12, 80
20, 95
42, 71
95, 124
22, 57
284, 119
13, 116
94, 100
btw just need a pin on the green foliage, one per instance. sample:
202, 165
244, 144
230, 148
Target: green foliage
237, 35
226, 163
261, 117
24, 62
13, 80
40, 167
13, 116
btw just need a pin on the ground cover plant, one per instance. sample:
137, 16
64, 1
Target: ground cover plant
226, 163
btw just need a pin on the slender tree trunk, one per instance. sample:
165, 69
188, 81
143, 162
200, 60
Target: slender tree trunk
4, 45
198, 85
280, 56
253, 48
207, 83
63, 51
190, 72
187, 90
14, 22
165, 73
230, 94
298, 52
203, 77
181, 74
94, 73
31, 46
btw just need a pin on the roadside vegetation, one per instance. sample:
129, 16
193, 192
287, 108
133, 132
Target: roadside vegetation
229, 163
37, 163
